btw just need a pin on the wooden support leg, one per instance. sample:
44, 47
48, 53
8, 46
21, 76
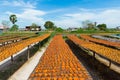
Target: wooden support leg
28, 52
94, 54
109, 64
12, 58
94, 59
4, 43
39, 44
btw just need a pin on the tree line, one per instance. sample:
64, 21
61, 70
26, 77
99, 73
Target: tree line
49, 25
87, 24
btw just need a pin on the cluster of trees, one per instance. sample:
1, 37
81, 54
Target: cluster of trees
90, 25
102, 27
13, 19
49, 25
34, 25
86, 25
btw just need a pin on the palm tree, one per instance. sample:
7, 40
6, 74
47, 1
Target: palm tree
13, 18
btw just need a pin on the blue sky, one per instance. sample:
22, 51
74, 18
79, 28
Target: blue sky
64, 13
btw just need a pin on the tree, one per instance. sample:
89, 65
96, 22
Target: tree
49, 25
90, 26
34, 25
5, 24
102, 26
14, 27
59, 29
13, 18
85, 23
54, 27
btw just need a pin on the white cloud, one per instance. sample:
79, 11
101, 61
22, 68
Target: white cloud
28, 13
109, 16
29, 16
19, 3
67, 23
81, 16
55, 11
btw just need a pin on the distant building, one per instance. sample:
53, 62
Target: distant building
2, 29
29, 28
72, 29
21, 29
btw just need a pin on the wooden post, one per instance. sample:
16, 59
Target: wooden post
39, 44
94, 59
28, 52
12, 58
94, 54
109, 64
3, 43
